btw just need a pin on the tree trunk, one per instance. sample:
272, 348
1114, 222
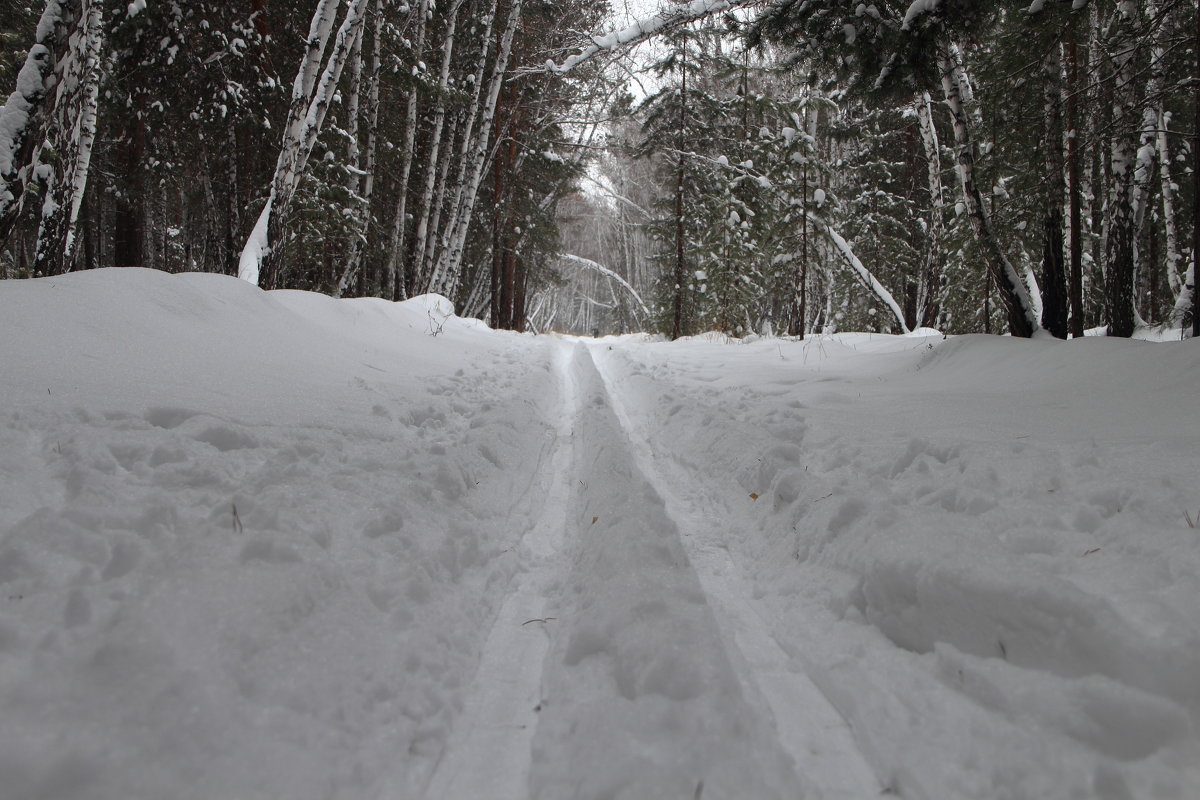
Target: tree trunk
129, 215
260, 257
75, 107
1195, 268
466, 206
433, 164
931, 277
1022, 319
472, 113
395, 279
1122, 224
680, 270
1054, 284
1076, 190
362, 181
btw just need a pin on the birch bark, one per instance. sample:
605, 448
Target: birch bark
261, 253
433, 165
75, 106
1119, 252
474, 112
361, 183
395, 280
930, 288
1014, 294
1054, 279
466, 205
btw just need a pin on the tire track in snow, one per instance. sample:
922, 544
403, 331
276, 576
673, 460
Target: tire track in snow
488, 753
810, 728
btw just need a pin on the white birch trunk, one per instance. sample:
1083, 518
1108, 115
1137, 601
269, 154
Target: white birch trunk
931, 277
75, 108
1121, 216
1023, 318
358, 183
846, 252
421, 236
396, 241
452, 265
300, 137
425, 268
1147, 151
475, 111
1168, 205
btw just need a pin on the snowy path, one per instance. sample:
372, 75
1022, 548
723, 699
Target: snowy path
629, 660
268, 544
812, 731
488, 754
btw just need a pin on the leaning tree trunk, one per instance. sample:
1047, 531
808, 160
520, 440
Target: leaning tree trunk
1122, 223
1014, 294
261, 253
1054, 283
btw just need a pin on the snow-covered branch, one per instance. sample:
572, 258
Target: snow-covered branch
18, 112
844, 250
603, 270
647, 28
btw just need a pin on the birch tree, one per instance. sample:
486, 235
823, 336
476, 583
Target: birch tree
362, 177
1121, 216
1054, 283
75, 109
310, 104
394, 281
931, 276
432, 163
475, 155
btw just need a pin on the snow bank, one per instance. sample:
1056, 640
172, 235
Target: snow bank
976, 545
248, 540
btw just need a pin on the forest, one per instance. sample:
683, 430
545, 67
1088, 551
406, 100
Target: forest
772, 166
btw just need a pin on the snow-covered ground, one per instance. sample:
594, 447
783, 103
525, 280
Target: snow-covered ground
272, 545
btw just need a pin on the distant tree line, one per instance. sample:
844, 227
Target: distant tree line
978, 166
793, 165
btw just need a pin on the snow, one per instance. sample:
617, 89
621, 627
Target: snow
270, 544
645, 28
915, 9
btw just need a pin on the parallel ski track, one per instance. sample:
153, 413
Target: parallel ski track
489, 750
810, 728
